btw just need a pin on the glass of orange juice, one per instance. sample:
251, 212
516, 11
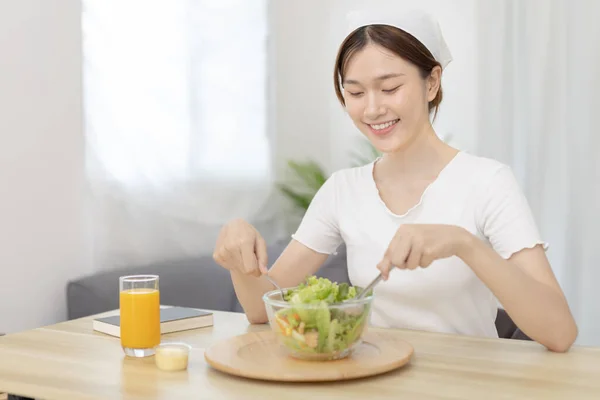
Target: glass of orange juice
139, 304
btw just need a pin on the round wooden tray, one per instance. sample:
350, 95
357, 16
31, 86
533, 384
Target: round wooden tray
260, 356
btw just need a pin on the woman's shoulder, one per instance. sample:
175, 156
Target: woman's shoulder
347, 182
491, 181
482, 164
352, 176
480, 170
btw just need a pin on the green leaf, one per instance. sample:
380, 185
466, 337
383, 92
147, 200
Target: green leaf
300, 200
310, 173
310, 177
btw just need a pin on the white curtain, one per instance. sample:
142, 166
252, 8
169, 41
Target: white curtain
539, 85
176, 122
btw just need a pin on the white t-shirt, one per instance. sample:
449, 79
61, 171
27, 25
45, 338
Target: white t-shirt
476, 193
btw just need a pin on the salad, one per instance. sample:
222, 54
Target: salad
318, 321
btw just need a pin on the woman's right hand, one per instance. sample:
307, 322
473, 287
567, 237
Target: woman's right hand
241, 248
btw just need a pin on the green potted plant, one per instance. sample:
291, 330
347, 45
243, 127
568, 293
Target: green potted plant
309, 176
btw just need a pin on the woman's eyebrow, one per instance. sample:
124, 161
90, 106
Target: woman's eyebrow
379, 78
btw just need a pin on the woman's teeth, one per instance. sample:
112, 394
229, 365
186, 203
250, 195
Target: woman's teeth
383, 126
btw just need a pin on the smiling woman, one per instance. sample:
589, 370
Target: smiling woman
456, 227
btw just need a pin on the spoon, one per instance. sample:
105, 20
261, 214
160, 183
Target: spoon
274, 284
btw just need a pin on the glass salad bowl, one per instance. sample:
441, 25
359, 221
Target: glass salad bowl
318, 320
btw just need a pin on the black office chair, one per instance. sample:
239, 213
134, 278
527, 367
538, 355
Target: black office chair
507, 329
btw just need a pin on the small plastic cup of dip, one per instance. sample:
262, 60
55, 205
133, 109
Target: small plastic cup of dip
172, 356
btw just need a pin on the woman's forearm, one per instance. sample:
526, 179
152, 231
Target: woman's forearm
249, 291
537, 309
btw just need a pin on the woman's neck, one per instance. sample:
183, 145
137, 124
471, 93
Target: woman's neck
423, 158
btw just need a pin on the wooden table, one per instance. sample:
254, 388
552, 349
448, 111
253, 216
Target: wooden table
71, 361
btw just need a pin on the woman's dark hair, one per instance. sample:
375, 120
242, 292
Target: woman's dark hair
393, 39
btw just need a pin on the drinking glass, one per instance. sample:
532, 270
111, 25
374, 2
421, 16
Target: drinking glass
139, 304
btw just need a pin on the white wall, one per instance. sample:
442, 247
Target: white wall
310, 122
301, 85
41, 160
301, 79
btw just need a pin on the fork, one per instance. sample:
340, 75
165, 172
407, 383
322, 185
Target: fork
274, 284
370, 286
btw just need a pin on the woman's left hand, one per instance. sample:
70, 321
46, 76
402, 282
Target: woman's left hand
418, 245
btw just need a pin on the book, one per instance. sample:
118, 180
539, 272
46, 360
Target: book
172, 319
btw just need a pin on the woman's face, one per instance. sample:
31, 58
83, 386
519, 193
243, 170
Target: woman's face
387, 98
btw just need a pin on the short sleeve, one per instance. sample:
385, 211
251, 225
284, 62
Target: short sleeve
319, 228
504, 216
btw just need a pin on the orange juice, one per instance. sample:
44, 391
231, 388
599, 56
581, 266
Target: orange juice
140, 318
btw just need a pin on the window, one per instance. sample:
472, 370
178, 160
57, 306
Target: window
176, 91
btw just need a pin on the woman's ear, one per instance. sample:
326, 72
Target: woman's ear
433, 82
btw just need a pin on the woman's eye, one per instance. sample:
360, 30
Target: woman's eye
391, 90
355, 94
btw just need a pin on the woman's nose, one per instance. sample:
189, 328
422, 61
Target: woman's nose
374, 108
